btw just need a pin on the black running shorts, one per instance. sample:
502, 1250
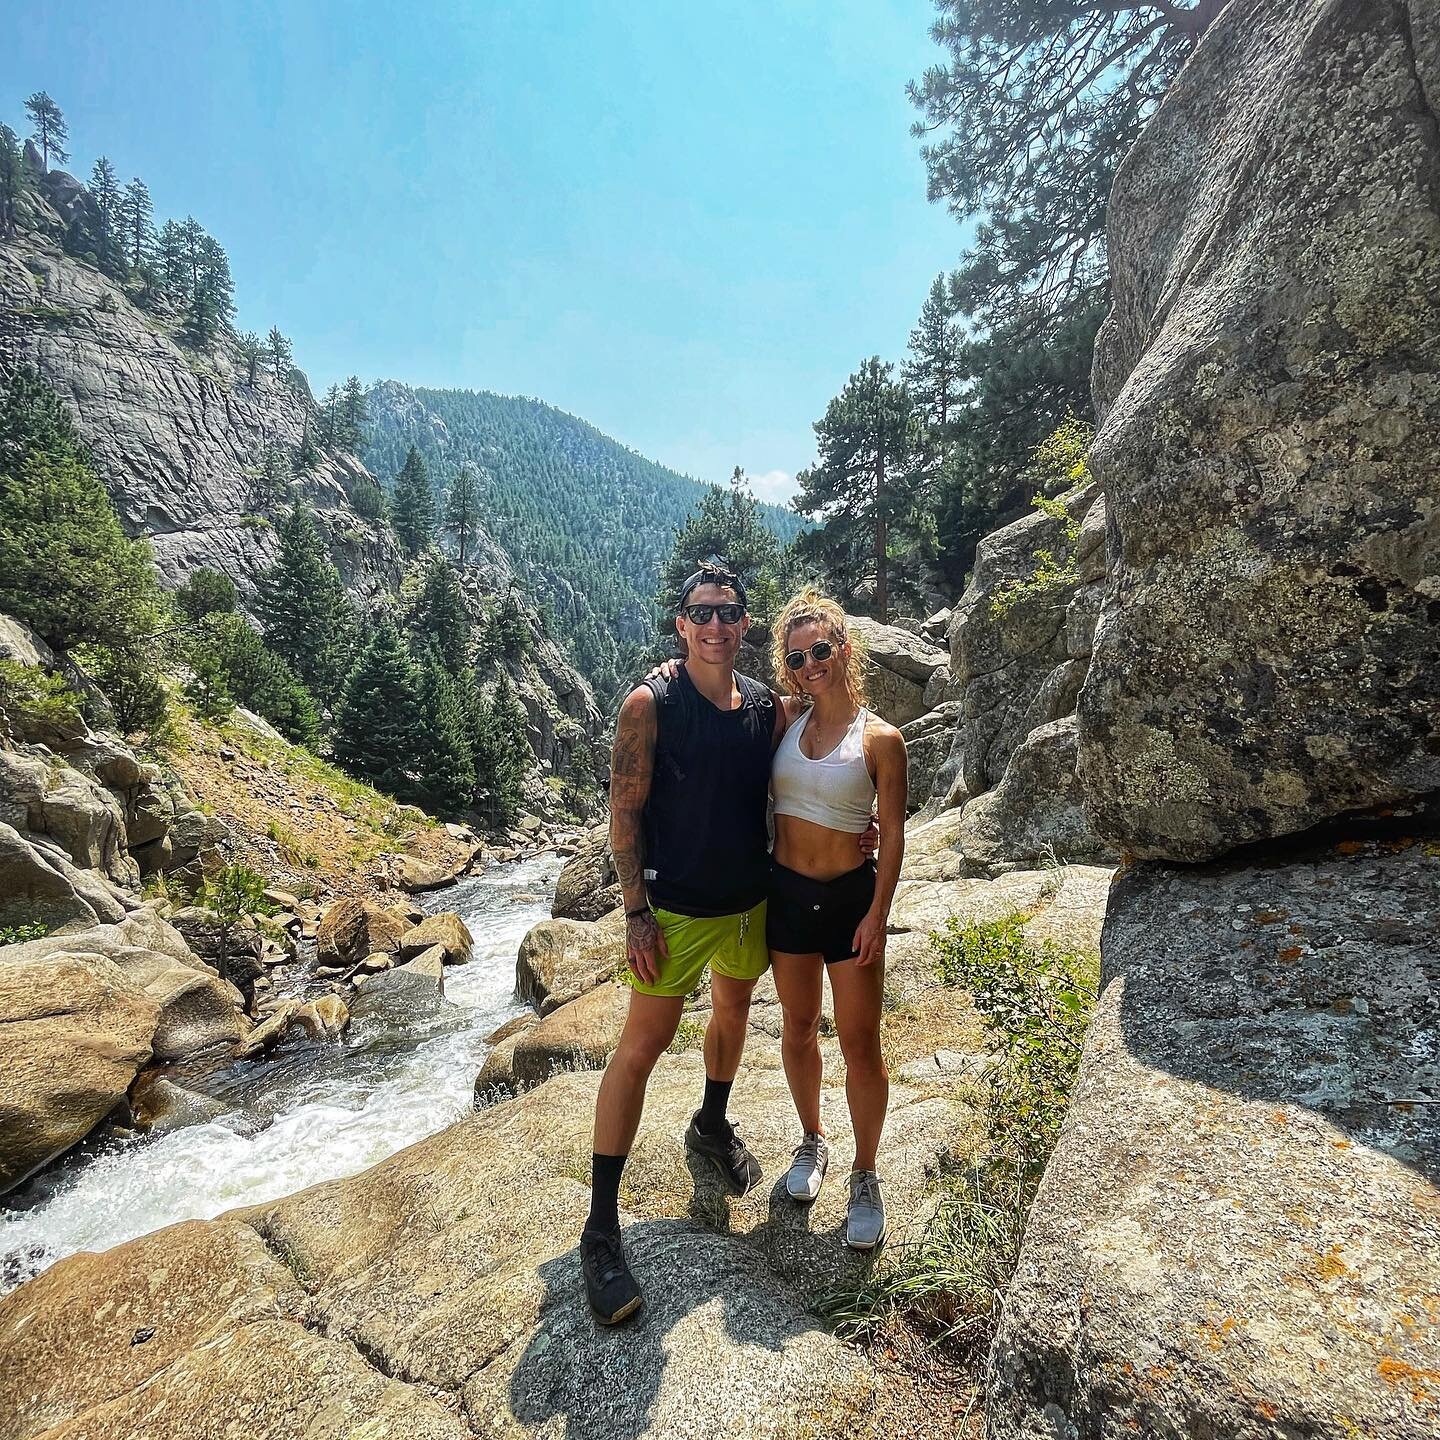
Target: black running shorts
806, 916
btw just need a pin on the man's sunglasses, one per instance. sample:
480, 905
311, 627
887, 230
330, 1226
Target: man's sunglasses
700, 614
820, 650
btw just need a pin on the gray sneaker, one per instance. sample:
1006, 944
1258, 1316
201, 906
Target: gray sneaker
865, 1221
807, 1169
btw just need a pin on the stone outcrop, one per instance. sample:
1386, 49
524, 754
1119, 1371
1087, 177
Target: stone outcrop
74, 1032
1239, 1234
904, 673
175, 434
446, 930
1269, 649
197, 1010
587, 887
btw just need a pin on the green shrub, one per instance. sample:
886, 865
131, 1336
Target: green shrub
1051, 576
19, 934
31, 699
206, 592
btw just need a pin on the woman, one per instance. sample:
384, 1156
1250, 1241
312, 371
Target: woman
826, 915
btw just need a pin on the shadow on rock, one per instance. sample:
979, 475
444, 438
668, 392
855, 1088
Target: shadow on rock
721, 1348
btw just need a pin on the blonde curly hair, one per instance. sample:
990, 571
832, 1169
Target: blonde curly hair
811, 607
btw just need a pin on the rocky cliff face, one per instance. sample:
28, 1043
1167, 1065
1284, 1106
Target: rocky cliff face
176, 435
1238, 1232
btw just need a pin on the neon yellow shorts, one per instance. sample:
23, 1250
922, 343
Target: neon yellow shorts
731, 945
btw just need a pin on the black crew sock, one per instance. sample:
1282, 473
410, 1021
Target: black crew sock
605, 1191
711, 1118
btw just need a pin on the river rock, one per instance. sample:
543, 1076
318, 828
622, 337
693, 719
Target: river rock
325, 1018
1269, 651
562, 959
74, 1032
579, 1035
271, 1030
448, 931
351, 929
158, 1106
1239, 1233
587, 887
414, 874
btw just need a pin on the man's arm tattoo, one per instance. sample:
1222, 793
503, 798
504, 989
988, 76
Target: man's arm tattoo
631, 763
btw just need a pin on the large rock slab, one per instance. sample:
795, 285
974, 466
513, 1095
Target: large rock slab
38, 882
103, 1345
1239, 1233
579, 1035
899, 667
74, 1032
1269, 650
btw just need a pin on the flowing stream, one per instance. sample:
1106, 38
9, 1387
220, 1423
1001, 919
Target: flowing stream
313, 1112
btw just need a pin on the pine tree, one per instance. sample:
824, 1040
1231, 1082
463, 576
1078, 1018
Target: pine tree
66, 567
50, 132
12, 179
934, 370
512, 634
503, 756
354, 415
330, 420
280, 361
462, 506
212, 302
106, 195
206, 592
368, 498
728, 525
413, 504
171, 257
251, 349
302, 604
136, 215
379, 721
444, 763
307, 457
439, 620
867, 484
270, 475
232, 654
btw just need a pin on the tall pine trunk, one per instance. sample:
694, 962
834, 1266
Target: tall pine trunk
882, 589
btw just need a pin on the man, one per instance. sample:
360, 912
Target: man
689, 776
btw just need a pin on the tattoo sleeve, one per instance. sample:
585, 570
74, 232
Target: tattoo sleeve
632, 762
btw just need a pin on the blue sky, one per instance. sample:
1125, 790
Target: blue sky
685, 223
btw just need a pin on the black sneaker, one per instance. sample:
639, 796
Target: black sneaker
614, 1295
739, 1167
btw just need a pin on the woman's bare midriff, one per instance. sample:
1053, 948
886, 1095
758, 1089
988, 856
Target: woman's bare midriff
815, 850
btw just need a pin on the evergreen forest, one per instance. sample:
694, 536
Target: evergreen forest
585, 521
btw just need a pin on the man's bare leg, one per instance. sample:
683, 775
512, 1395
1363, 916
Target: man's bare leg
650, 1026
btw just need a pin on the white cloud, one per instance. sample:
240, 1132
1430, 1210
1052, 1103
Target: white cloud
776, 486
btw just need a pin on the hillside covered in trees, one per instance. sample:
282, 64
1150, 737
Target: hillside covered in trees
587, 522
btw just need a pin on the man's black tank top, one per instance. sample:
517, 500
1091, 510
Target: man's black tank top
705, 835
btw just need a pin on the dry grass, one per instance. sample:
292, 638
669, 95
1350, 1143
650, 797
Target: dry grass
295, 818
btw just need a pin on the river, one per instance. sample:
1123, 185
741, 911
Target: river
313, 1112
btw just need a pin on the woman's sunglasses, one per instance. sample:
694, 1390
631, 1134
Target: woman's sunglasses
700, 614
820, 650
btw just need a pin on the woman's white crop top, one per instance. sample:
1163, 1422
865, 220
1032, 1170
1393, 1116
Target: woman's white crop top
835, 791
